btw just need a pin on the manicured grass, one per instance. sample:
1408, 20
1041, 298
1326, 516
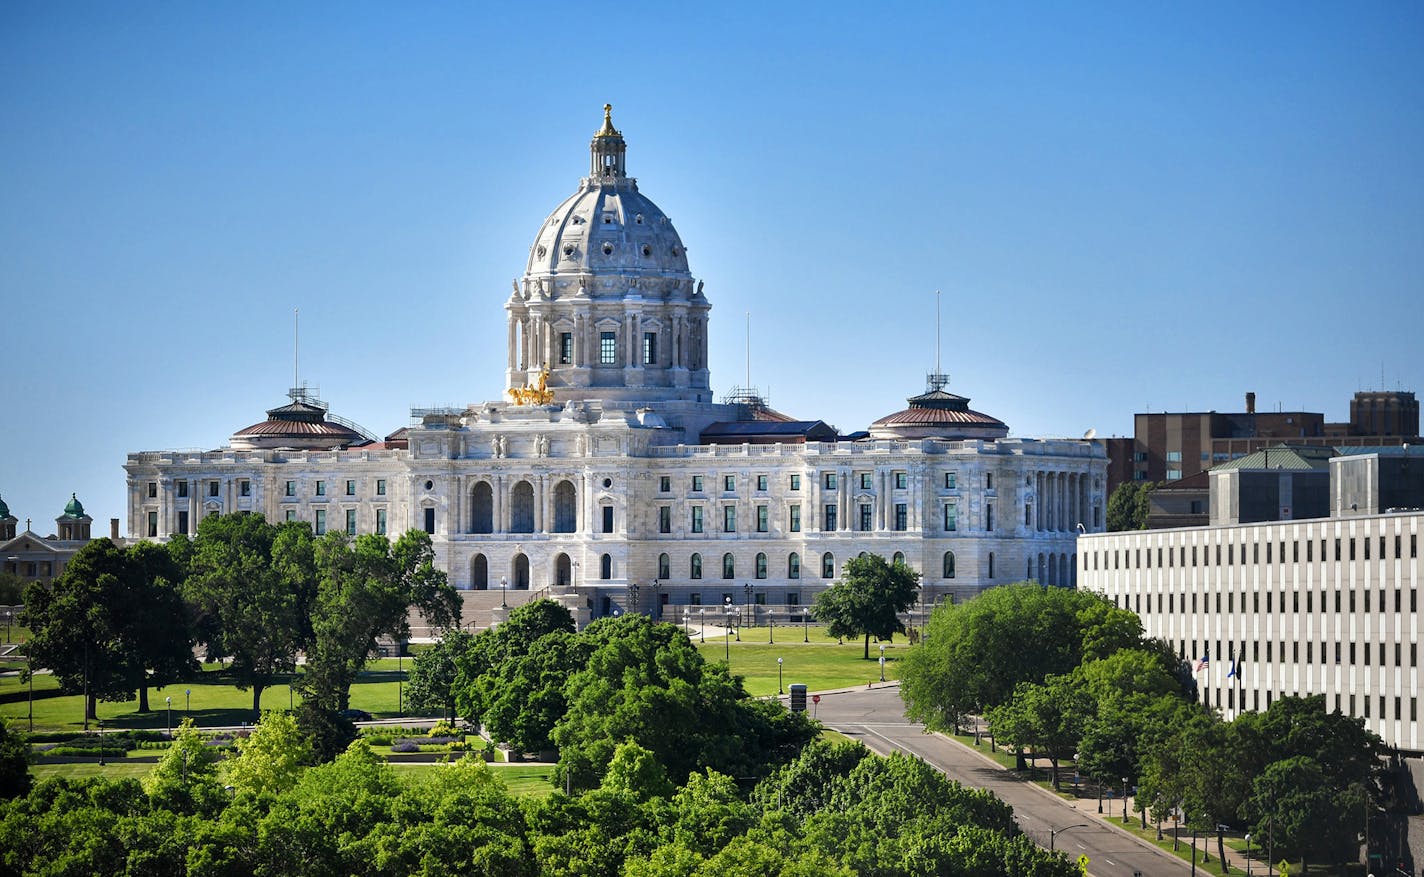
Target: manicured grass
113, 770
819, 665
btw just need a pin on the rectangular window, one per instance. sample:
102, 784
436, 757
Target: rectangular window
321, 520
729, 483
866, 510
828, 522
697, 484
664, 519
830, 481
153, 525
430, 521
761, 520
350, 522
902, 516
1174, 456
989, 517
244, 488
380, 487
650, 348
350, 487
321, 488
951, 517
380, 522
697, 519
566, 348
607, 348
951, 481
608, 519
213, 488
664, 484
729, 519
794, 515
761, 483
988, 480
795, 482
182, 488
865, 481
902, 480
291, 515
153, 490
183, 522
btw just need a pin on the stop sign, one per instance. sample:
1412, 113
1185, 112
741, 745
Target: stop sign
815, 698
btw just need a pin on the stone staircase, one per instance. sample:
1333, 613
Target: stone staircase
476, 613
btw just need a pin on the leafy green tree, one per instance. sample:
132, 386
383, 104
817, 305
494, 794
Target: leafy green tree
1048, 718
1128, 506
269, 760
1304, 810
15, 758
156, 626
433, 674
524, 695
636, 771
327, 730
185, 780
868, 599
77, 625
365, 590
253, 585
975, 653
12, 589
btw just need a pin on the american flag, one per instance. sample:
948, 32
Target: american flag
1202, 662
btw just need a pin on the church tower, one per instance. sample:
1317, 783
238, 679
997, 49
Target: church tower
607, 304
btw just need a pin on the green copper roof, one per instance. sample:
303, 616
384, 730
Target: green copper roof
4, 509
75, 509
1285, 457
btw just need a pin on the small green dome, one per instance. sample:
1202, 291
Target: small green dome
4, 509
75, 509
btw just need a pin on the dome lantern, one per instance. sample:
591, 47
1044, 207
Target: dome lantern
607, 151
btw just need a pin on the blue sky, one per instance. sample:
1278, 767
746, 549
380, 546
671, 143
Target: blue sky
1126, 206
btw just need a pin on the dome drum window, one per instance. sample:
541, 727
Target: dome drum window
647, 250
607, 249
569, 250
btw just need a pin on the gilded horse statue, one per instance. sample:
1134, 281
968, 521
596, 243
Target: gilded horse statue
539, 394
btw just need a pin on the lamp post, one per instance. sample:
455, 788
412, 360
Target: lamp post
750, 609
400, 679
702, 613
632, 596
169, 702
805, 617
503, 589
770, 629
1124, 800
882, 662
575, 576
779, 688
1054, 832
727, 640
657, 600
1248, 854
187, 700
101, 742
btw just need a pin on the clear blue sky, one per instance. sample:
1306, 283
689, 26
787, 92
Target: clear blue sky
1127, 206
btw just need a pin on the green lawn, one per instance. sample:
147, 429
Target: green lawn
820, 665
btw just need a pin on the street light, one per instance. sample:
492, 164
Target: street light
750, 609
657, 600
169, 701
882, 662
702, 613
101, 742
770, 629
1248, 854
779, 688
400, 679
1054, 832
805, 616
187, 700
726, 640
503, 589
1124, 800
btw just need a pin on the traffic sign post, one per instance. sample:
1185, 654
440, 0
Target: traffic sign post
815, 704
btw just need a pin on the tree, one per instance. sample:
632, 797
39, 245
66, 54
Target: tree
1049, 718
975, 653
76, 626
433, 673
15, 758
1128, 506
253, 585
157, 623
185, 778
868, 600
365, 590
268, 760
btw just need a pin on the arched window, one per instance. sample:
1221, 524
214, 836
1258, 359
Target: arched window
482, 508
729, 566
479, 572
565, 508
761, 565
899, 557
521, 508
828, 565
694, 567
521, 572
1052, 577
1042, 569
605, 567
664, 566
563, 571
793, 566
949, 564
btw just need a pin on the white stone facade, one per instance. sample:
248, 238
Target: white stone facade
603, 488
1326, 606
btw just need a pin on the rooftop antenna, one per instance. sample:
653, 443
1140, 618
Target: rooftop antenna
749, 348
937, 379
296, 343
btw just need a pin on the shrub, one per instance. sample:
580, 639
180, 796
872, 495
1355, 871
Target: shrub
445, 729
377, 739
406, 746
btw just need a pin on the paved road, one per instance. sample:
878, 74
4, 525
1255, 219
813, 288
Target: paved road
876, 717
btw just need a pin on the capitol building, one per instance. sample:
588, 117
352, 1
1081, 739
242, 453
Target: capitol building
609, 478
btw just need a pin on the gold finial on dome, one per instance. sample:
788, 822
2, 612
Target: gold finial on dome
608, 130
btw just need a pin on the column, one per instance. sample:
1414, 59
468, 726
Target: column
540, 498
501, 524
